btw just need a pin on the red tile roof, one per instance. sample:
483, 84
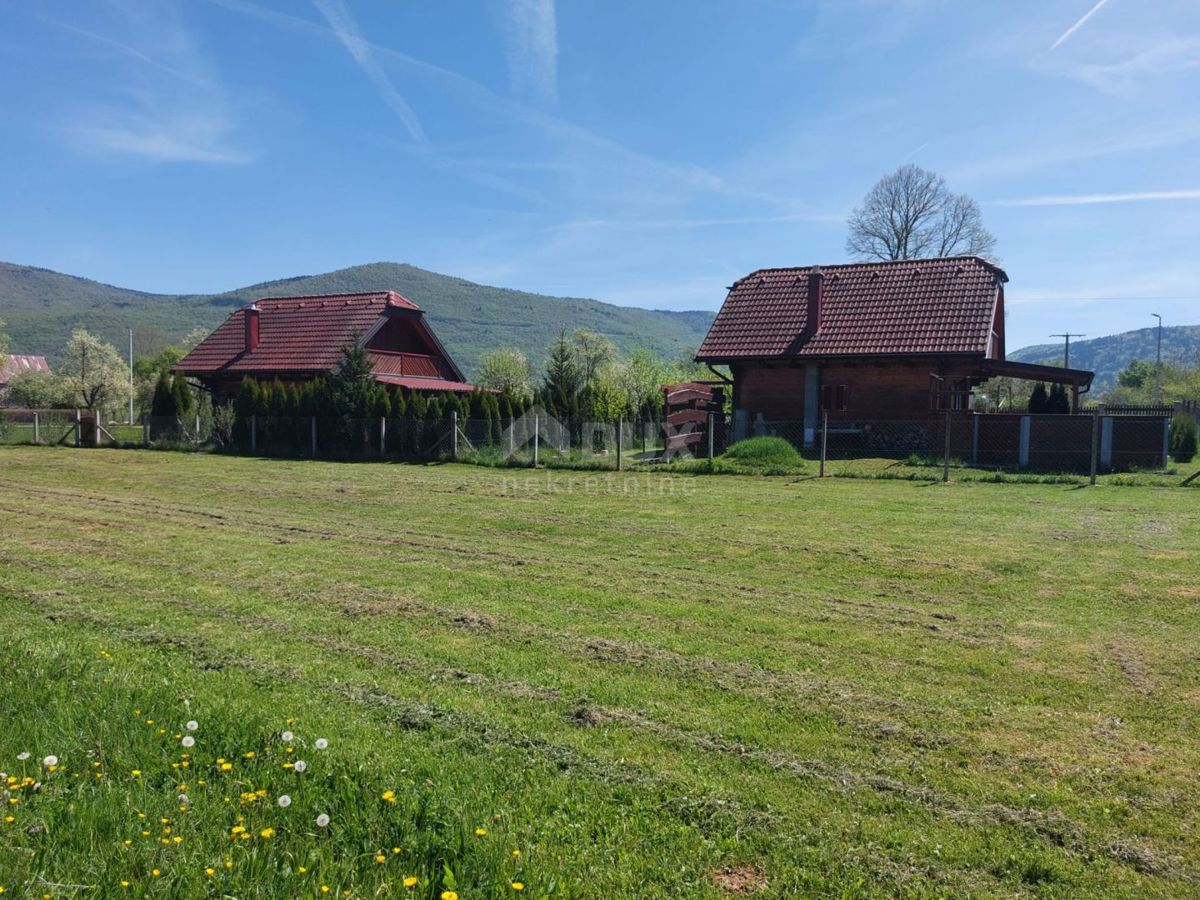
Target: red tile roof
426, 384
18, 365
887, 308
296, 334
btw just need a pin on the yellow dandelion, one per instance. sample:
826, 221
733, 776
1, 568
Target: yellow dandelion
449, 895
389, 796
380, 858
128, 842
410, 881
136, 773
10, 819
145, 834
516, 853
226, 767
155, 872
177, 839
237, 829
324, 889
517, 886
395, 849
267, 832
210, 871
124, 884
229, 863
480, 832
301, 870
250, 754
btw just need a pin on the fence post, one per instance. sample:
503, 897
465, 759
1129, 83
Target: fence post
197, 428
710, 437
946, 451
78, 428
312, 436
37, 432
454, 433
536, 429
620, 435
96, 429
383, 435
1095, 446
824, 439
254, 434
1166, 442
974, 438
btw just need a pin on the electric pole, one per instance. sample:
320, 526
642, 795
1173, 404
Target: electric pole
130, 376
1158, 363
1067, 347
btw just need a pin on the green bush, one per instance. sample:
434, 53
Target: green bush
1182, 438
764, 451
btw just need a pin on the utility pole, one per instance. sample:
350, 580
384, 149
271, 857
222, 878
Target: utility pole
130, 376
1158, 363
1067, 347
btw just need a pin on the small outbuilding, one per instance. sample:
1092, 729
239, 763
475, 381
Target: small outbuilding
298, 339
866, 341
17, 364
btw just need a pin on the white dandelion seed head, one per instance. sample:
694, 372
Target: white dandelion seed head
284, 801
188, 741
50, 761
23, 755
320, 743
322, 820
288, 737
192, 725
184, 800
300, 765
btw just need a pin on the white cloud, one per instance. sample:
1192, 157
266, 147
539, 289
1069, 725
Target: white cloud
1078, 24
340, 19
531, 38
184, 118
1088, 199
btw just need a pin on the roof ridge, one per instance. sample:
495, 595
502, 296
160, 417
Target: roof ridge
365, 295
877, 262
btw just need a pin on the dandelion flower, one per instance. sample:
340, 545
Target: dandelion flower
449, 895
299, 766
518, 886
288, 737
380, 858
516, 853
267, 832
8, 820
322, 820
192, 725
210, 871
237, 829
136, 773
410, 881
124, 884
301, 869
226, 767
284, 801
324, 889
50, 761
480, 832
320, 743
388, 796
23, 755
155, 872
188, 741
396, 850
249, 754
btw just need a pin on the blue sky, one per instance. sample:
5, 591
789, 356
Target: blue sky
640, 153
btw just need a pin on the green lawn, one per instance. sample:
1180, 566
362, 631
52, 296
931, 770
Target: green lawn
647, 685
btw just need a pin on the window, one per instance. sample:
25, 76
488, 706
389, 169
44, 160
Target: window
834, 397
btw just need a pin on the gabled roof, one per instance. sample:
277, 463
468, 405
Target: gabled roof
927, 306
17, 364
302, 335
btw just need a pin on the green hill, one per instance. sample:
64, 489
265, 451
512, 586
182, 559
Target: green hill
1108, 355
41, 307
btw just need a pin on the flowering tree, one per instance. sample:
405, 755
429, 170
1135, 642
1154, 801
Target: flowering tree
94, 372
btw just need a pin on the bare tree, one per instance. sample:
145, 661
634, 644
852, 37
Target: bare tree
911, 214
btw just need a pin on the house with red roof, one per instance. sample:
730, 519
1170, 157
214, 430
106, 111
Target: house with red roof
297, 339
864, 342
17, 364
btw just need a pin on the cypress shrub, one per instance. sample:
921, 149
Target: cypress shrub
1182, 438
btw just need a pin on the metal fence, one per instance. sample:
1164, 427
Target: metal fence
1003, 441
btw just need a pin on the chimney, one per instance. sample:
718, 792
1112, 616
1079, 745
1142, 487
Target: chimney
251, 321
816, 298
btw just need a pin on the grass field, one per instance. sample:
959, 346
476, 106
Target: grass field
644, 685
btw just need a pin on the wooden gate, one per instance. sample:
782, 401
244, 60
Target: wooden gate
688, 407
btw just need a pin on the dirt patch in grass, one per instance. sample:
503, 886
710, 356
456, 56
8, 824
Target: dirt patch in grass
740, 880
1132, 666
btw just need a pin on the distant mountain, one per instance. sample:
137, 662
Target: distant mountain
1106, 356
41, 307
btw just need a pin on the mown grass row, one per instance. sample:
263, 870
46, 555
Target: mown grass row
845, 688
